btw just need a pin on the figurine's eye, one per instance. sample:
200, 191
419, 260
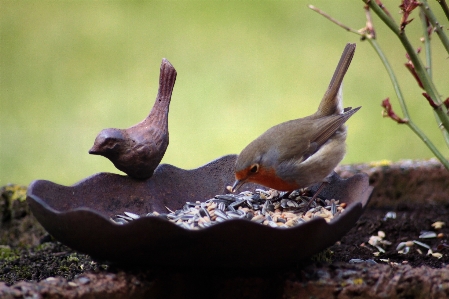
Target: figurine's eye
254, 168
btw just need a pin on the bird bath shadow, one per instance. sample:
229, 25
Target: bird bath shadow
78, 216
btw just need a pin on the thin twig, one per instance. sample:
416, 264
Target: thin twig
420, 70
393, 79
334, 20
444, 7
436, 25
381, 5
392, 76
403, 105
426, 40
369, 21
427, 30
429, 144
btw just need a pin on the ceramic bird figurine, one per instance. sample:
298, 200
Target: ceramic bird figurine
301, 152
138, 150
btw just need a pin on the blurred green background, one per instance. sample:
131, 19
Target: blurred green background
71, 68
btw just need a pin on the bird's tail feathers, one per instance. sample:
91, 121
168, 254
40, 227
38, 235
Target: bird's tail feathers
332, 102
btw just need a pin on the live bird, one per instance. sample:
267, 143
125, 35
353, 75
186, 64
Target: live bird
301, 152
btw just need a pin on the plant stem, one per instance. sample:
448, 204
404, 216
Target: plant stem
333, 20
394, 81
424, 21
404, 109
429, 87
429, 144
436, 25
444, 7
426, 42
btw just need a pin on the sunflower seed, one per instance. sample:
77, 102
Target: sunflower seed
272, 224
427, 235
221, 214
333, 207
228, 197
258, 218
390, 215
124, 217
119, 220
421, 244
272, 208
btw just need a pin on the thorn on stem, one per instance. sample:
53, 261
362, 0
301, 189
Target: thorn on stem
388, 112
430, 28
429, 99
369, 29
382, 6
409, 65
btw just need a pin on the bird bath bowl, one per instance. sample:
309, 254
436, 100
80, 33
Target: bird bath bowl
79, 217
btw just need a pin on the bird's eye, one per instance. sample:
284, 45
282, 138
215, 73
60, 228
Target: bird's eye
254, 168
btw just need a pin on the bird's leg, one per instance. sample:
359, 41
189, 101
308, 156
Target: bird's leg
323, 184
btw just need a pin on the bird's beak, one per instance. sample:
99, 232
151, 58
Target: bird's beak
237, 185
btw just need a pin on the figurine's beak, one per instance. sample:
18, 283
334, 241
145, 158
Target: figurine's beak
95, 150
237, 185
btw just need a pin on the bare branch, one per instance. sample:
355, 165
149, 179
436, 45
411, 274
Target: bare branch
347, 28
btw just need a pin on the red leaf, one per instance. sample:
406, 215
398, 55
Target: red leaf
409, 65
407, 6
388, 112
429, 99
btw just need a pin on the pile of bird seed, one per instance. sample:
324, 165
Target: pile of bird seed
272, 208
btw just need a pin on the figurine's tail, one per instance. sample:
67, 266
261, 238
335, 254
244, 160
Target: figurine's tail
167, 79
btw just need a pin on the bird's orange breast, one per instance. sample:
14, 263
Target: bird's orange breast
267, 177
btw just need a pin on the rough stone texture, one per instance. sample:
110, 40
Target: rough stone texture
405, 181
340, 281
17, 226
87, 286
372, 281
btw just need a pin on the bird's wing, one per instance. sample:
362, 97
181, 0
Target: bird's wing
300, 143
327, 126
